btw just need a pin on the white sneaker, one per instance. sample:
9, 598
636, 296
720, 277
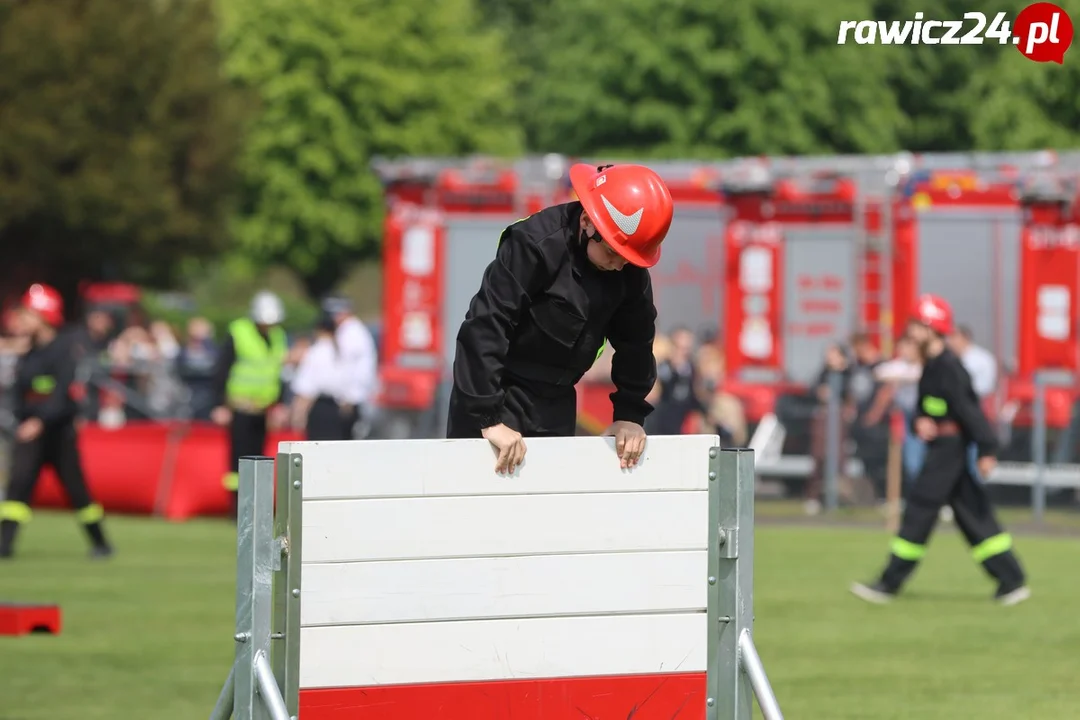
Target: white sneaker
1013, 597
875, 593
946, 514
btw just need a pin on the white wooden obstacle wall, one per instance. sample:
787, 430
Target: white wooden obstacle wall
412, 563
570, 567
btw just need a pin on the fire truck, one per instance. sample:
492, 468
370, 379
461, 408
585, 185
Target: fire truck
781, 256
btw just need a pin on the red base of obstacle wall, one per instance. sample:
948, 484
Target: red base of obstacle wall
152, 468
17, 619
640, 697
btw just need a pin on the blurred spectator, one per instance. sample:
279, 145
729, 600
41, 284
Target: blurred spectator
319, 404
91, 346
902, 374
295, 355
678, 380
164, 338
195, 361
358, 353
92, 337
979, 362
868, 411
661, 351
724, 414
832, 378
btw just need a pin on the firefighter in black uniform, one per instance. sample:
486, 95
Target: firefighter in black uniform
949, 418
46, 433
563, 280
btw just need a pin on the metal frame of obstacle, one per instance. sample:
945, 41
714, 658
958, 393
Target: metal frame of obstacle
264, 682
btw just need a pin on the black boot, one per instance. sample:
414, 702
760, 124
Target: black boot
1005, 568
100, 545
8, 530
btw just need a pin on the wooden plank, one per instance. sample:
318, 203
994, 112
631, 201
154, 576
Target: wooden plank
680, 696
367, 655
404, 468
503, 525
516, 587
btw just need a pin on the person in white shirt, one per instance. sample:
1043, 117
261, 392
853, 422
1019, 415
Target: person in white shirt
320, 405
981, 365
978, 361
358, 353
902, 373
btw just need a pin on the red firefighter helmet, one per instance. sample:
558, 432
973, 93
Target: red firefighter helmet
630, 206
934, 312
46, 301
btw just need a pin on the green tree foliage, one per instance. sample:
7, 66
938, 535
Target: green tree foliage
683, 79
118, 137
341, 81
1024, 105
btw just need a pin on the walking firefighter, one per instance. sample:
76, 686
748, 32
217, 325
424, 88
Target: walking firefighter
949, 418
46, 435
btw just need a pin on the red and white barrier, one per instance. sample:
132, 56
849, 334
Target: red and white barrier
417, 583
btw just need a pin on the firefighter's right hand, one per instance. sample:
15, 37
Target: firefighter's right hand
509, 443
926, 429
29, 429
221, 415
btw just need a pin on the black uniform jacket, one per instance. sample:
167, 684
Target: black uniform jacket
946, 393
534, 328
43, 379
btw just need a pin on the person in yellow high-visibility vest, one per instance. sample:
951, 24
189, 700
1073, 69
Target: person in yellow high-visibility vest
247, 381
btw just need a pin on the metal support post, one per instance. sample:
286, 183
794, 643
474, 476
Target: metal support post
224, 706
833, 441
1038, 448
755, 670
268, 689
285, 655
255, 552
733, 675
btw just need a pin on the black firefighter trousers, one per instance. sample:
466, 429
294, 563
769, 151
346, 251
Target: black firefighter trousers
56, 446
946, 479
247, 437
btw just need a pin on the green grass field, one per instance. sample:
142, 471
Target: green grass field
148, 636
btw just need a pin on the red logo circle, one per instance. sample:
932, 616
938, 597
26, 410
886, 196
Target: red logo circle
1043, 32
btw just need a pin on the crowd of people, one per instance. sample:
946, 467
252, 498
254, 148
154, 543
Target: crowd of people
145, 369
871, 390
136, 368
689, 394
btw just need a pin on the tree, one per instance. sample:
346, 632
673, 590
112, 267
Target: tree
117, 138
1022, 105
687, 79
342, 81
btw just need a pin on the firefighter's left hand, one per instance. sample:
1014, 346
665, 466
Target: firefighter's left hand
29, 429
986, 466
629, 442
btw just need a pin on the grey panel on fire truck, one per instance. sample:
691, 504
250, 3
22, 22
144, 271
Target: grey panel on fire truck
688, 282
471, 242
972, 259
819, 295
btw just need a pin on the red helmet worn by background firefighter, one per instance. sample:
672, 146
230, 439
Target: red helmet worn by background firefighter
630, 206
934, 312
45, 301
